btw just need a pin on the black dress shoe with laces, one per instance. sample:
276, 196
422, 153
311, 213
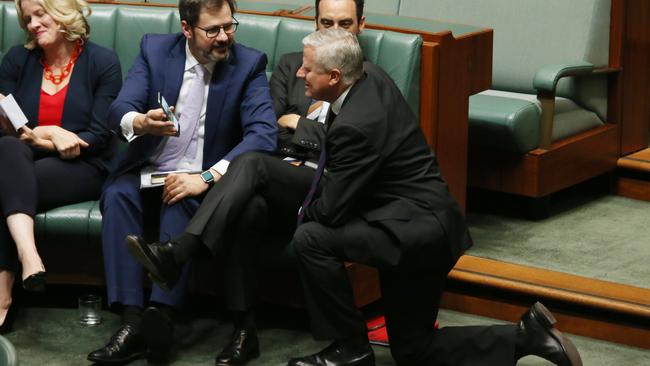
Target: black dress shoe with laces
158, 334
243, 347
538, 336
125, 345
157, 258
337, 354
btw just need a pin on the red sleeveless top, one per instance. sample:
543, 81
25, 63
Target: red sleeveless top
50, 109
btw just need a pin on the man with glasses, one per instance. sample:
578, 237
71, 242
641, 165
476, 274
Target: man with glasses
220, 108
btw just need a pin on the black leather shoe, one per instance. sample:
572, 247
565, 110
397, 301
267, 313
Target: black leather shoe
337, 354
158, 334
243, 347
538, 336
125, 345
157, 258
35, 282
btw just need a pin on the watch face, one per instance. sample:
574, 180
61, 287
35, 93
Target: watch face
207, 176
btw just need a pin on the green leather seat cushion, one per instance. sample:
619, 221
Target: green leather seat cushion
80, 222
509, 121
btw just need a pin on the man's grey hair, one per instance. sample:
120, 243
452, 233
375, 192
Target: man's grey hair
337, 49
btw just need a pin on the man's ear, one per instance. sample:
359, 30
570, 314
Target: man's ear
362, 24
335, 77
186, 29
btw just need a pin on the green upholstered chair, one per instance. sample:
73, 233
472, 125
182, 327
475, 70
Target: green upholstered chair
545, 124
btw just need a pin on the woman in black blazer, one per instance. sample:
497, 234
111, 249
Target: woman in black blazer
64, 85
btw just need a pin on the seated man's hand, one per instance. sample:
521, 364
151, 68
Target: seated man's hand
179, 186
289, 121
154, 122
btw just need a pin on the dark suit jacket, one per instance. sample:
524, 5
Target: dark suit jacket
94, 83
239, 115
288, 94
380, 168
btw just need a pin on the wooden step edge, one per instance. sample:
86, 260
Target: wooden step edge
637, 161
557, 286
633, 164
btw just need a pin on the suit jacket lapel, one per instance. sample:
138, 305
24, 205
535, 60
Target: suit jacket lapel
217, 94
33, 80
173, 73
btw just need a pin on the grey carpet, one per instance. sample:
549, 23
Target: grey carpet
48, 336
604, 237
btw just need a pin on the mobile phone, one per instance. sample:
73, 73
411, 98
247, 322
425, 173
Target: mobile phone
168, 112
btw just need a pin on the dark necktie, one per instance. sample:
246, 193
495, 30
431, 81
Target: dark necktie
317, 175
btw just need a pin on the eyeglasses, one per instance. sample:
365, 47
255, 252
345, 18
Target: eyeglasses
229, 28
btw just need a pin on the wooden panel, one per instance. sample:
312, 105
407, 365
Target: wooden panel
541, 172
429, 70
632, 188
636, 77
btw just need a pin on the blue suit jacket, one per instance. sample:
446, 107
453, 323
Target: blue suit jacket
239, 114
95, 82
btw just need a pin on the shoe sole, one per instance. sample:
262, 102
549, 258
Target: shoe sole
250, 358
122, 361
141, 255
544, 316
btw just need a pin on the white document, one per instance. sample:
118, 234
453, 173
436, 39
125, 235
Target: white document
11, 109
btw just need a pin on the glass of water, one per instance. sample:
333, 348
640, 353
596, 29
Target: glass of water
90, 309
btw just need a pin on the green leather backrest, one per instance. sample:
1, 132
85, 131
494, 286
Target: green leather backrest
121, 28
377, 6
529, 34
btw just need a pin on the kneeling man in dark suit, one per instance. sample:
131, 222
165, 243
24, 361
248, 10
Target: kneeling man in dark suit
377, 198
381, 201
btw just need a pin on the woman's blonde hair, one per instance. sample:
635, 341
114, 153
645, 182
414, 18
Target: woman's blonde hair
69, 14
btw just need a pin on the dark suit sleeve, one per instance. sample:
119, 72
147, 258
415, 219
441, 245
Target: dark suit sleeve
309, 133
257, 118
279, 85
352, 160
135, 92
107, 84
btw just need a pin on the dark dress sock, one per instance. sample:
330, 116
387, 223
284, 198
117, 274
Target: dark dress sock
168, 311
132, 315
186, 246
244, 319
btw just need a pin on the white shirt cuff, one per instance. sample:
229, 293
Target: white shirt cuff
126, 125
221, 167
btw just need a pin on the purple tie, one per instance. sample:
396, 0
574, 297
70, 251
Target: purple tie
322, 160
185, 144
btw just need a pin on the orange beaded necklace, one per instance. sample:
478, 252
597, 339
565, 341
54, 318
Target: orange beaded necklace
48, 74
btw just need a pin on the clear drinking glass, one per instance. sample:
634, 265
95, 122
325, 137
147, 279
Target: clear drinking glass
90, 309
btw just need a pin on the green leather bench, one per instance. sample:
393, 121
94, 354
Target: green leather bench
70, 237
